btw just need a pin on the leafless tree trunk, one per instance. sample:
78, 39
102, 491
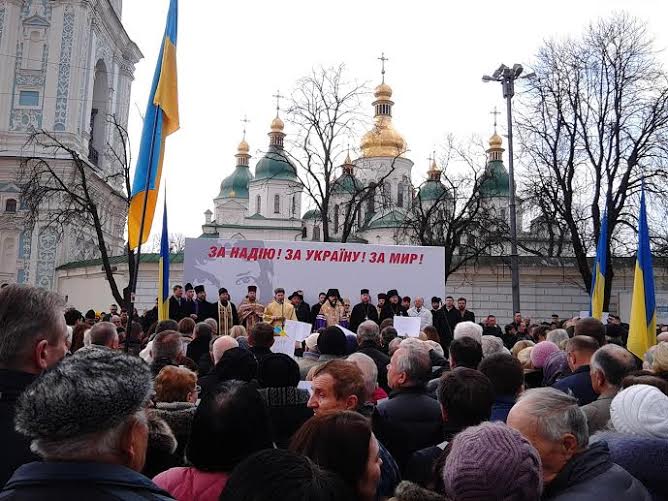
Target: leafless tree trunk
593, 124
62, 190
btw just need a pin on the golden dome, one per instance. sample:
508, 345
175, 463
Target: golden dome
383, 92
243, 147
495, 141
383, 140
277, 125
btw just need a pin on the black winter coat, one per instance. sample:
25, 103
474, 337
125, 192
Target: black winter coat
409, 420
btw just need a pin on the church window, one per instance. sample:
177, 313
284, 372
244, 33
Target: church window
371, 203
387, 196
293, 207
258, 204
29, 98
400, 195
277, 204
336, 219
316, 233
10, 205
359, 217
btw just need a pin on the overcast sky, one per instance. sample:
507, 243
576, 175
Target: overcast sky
234, 55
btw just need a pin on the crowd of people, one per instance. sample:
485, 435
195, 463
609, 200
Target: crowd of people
199, 407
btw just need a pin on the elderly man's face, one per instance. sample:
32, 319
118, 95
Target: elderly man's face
419, 302
324, 399
554, 454
116, 320
395, 378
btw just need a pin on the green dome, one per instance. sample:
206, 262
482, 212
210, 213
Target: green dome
311, 214
433, 190
495, 182
275, 165
236, 184
346, 183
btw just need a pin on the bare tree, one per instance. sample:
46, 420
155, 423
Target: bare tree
593, 124
451, 211
63, 191
177, 243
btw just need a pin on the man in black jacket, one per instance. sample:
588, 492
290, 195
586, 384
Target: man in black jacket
204, 309
302, 309
410, 419
32, 339
363, 311
176, 303
392, 307
572, 469
368, 338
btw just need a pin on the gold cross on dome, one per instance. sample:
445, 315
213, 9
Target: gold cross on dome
245, 121
495, 113
382, 60
278, 100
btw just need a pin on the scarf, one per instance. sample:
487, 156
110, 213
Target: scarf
224, 318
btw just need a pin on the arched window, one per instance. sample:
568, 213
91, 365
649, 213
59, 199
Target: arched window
371, 202
293, 206
277, 204
316, 233
400, 195
258, 204
359, 217
10, 205
336, 219
387, 195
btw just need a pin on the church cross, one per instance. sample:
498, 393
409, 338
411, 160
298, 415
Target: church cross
245, 121
382, 60
495, 113
278, 100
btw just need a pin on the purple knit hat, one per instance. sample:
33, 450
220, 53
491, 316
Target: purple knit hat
492, 462
556, 367
541, 352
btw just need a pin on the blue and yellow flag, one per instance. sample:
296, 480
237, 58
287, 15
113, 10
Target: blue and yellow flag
161, 120
163, 270
598, 272
642, 325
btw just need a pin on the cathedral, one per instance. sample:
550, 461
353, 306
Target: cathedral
66, 67
267, 205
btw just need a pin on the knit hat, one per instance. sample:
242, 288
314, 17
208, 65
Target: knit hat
332, 341
641, 410
312, 341
492, 461
236, 363
542, 352
90, 392
278, 370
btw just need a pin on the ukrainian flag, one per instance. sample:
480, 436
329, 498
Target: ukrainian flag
598, 273
163, 270
642, 326
161, 120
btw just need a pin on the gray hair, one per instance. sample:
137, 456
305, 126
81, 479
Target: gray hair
238, 331
368, 331
221, 345
491, 345
614, 362
27, 315
414, 361
394, 345
103, 334
558, 337
369, 371
556, 414
468, 329
212, 323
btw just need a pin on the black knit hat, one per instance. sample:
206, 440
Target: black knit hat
237, 363
278, 370
332, 341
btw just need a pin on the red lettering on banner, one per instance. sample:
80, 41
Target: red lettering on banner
212, 251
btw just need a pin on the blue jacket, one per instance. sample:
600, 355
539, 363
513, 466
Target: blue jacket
579, 384
501, 407
66, 481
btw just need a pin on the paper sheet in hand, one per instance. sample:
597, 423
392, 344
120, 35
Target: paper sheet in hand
407, 326
298, 330
346, 331
284, 344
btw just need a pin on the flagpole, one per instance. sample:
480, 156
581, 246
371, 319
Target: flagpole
133, 285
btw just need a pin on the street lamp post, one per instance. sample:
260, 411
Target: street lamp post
507, 77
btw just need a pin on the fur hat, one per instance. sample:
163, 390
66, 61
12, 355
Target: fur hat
408, 491
492, 461
90, 392
641, 410
199, 288
189, 287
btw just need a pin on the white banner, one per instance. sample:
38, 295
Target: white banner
312, 267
